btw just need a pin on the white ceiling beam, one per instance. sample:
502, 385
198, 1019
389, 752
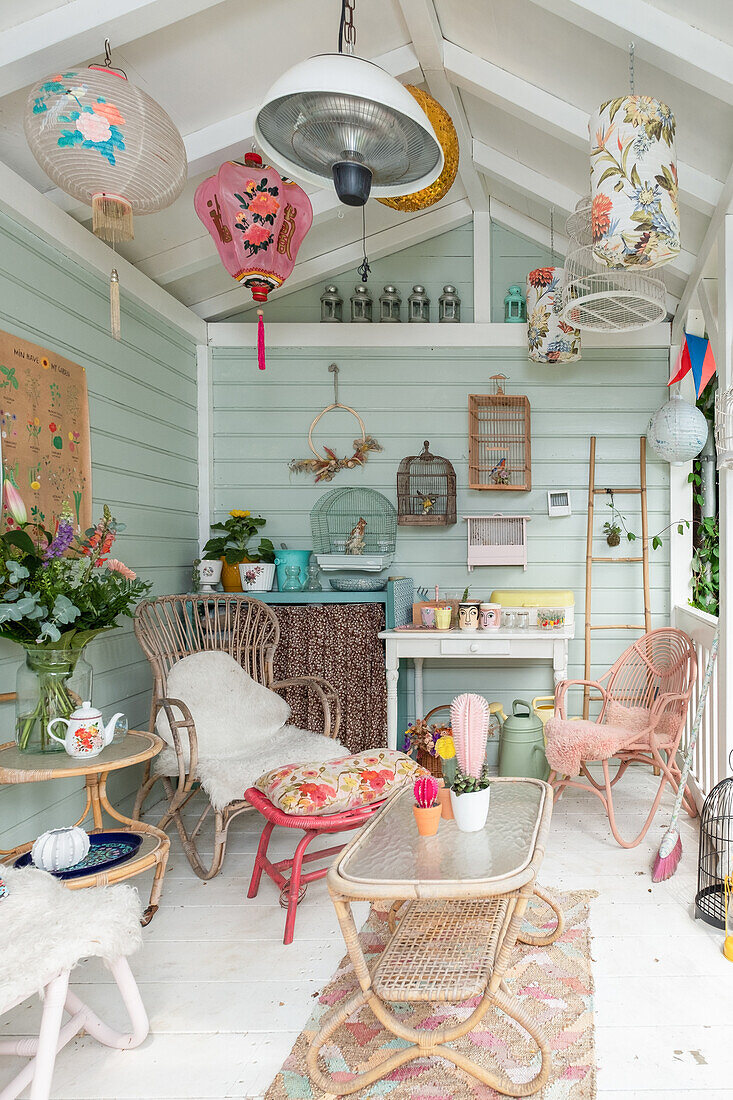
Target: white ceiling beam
76, 30
408, 231
427, 39
193, 256
673, 45
707, 295
548, 192
545, 111
20, 200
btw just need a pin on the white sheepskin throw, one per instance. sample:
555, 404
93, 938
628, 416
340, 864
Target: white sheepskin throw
240, 727
47, 928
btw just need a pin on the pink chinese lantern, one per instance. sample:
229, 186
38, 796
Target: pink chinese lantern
258, 222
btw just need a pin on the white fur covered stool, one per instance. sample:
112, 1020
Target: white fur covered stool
46, 931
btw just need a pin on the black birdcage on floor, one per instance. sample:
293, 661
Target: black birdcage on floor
715, 861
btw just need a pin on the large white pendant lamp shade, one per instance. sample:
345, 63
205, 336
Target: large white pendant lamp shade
340, 119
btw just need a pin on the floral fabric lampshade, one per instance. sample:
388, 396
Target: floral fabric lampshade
549, 338
257, 221
635, 211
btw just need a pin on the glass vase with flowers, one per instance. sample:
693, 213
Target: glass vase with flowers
58, 591
232, 546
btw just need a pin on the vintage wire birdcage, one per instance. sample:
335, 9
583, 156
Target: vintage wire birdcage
426, 490
337, 513
499, 440
715, 854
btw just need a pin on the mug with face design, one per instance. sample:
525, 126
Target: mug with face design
490, 616
468, 616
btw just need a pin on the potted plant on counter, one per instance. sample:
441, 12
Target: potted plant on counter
231, 546
470, 790
427, 809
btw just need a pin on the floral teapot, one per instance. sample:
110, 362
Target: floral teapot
86, 734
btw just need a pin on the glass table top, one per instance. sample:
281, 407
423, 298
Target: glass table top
390, 849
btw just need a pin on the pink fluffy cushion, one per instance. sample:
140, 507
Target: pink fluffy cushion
633, 719
569, 743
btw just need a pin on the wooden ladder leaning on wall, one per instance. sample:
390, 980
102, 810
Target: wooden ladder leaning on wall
590, 558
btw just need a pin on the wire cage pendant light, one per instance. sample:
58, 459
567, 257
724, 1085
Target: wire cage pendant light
340, 119
601, 298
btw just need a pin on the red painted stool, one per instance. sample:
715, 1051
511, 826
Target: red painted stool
292, 890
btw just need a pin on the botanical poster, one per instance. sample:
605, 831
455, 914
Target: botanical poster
44, 435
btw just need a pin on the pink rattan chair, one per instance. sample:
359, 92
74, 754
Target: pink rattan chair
645, 696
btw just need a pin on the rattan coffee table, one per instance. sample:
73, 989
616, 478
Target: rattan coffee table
135, 748
459, 902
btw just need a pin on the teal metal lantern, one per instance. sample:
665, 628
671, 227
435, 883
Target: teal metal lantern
515, 306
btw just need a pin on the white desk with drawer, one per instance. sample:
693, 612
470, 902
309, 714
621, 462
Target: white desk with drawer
532, 644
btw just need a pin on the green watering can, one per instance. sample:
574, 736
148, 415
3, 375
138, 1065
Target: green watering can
522, 746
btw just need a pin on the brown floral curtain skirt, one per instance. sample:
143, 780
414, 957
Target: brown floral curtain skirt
340, 643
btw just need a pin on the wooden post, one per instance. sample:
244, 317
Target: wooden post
725, 498
644, 534
588, 569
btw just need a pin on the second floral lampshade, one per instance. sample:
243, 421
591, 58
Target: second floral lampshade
635, 212
550, 339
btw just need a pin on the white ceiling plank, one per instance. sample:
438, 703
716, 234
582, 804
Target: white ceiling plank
674, 45
481, 266
76, 30
523, 100
546, 191
409, 231
200, 253
427, 39
21, 201
230, 137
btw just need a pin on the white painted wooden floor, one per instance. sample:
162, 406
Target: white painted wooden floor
226, 999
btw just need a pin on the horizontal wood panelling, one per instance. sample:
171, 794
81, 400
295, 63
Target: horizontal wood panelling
143, 414
261, 421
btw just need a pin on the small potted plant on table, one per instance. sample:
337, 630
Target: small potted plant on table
470, 790
427, 809
231, 546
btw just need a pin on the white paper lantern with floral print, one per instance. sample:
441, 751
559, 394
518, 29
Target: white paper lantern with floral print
550, 339
635, 212
677, 432
106, 142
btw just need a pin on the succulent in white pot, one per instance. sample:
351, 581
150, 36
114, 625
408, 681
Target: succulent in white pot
470, 791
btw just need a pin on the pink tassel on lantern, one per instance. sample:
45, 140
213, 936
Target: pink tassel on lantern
469, 715
425, 792
260, 340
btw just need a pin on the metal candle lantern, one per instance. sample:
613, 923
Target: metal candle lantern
449, 306
332, 306
361, 305
418, 305
390, 304
515, 306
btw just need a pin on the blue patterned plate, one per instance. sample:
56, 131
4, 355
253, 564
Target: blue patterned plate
105, 850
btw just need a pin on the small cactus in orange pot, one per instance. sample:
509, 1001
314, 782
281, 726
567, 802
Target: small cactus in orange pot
427, 808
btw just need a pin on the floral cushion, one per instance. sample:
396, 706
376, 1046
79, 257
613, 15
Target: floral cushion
338, 785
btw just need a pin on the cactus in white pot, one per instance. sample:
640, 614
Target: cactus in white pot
470, 789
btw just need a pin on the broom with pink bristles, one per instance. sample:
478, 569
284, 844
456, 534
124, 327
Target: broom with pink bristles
670, 850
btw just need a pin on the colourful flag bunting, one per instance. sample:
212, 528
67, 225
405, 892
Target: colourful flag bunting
696, 355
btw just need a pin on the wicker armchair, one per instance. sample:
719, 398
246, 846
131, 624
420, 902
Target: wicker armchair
170, 628
644, 697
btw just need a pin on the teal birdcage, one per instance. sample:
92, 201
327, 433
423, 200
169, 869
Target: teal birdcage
515, 306
337, 513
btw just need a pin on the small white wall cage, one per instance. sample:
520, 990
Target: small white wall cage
724, 428
558, 503
497, 540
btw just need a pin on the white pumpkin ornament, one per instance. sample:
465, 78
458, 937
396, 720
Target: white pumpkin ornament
60, 848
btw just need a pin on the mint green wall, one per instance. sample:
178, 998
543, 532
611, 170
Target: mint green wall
512, 257
447, 258
261, 421
142, 398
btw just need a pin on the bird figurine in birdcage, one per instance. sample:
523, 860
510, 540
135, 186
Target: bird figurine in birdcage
426, 490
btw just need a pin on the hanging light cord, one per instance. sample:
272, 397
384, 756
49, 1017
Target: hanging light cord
552, 236
632, 84
363, 267
347, 30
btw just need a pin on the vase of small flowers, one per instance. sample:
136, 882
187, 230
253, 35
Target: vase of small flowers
470, 791
231, 546
58, 591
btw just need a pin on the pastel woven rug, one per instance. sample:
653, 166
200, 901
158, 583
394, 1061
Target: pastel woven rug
556, 981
